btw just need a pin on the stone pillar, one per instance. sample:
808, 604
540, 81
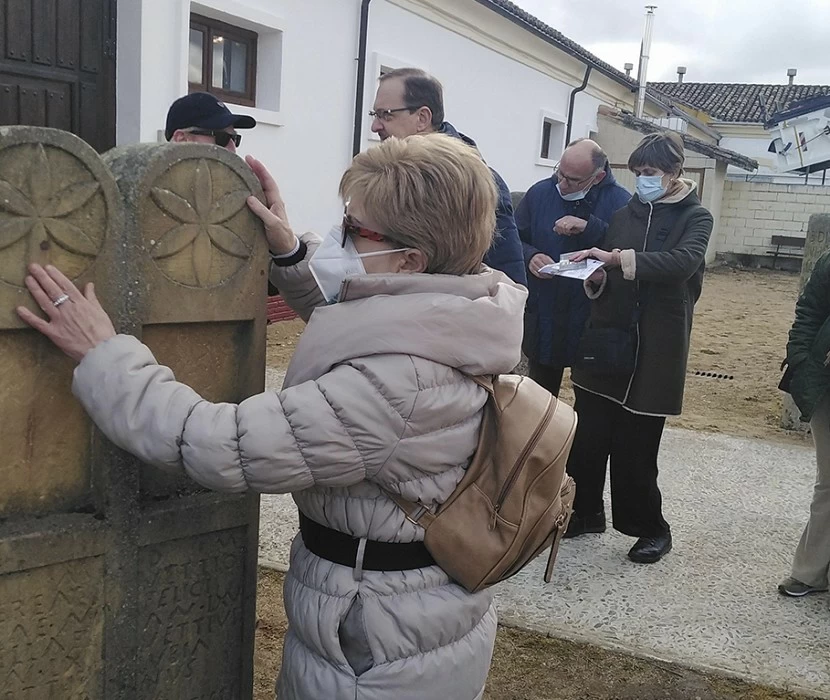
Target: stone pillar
118, 580
818, 243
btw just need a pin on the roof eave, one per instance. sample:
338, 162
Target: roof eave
723, 155
678, 112
613, 75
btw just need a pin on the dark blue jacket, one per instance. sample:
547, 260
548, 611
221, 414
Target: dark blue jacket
557, 309
506, 252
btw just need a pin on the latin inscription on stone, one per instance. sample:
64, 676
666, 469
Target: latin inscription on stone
51, 630
191, 614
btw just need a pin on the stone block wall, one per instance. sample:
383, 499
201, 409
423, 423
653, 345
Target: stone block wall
754, 212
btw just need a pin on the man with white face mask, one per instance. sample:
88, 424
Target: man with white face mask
567, 212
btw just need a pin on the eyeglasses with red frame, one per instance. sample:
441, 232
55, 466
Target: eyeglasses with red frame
350, 228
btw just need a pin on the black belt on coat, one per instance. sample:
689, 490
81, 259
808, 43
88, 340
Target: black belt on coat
340, 548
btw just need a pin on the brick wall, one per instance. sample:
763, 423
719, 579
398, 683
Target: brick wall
754, 212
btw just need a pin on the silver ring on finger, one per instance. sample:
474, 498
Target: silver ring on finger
62, 299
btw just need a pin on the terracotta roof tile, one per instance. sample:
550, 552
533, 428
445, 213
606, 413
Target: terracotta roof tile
738, 102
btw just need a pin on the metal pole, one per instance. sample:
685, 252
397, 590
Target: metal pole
645, 51
572, 103
357, 137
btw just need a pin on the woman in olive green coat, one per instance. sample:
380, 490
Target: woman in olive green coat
643, 302
808, 357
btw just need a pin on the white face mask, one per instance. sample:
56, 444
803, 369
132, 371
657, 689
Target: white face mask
650, 187
573, 196
332, 263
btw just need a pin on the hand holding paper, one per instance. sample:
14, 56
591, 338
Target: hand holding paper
576, 266
610, 258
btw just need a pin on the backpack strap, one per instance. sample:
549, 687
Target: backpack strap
485, 381
415, 512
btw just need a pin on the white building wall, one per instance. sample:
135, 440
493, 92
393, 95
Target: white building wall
305, 135
307, 143
497, 101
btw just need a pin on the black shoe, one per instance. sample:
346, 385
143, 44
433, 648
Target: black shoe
581, 525
648, 550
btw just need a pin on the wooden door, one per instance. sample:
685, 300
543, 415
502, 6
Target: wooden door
57, 66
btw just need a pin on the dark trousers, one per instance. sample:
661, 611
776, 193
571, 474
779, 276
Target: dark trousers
547, 376
632, 442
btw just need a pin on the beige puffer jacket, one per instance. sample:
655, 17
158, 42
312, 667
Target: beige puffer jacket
376, 395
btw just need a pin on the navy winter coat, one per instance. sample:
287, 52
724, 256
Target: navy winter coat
506, 253
557, 309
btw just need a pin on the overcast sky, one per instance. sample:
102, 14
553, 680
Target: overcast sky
734, 41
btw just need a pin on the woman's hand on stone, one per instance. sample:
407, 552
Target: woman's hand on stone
76, 322
610, 257
281, 239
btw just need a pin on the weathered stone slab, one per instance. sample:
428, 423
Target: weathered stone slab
196, 242
118, 580
59, 205
818, 243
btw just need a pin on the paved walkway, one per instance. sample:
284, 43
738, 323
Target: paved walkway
737, 508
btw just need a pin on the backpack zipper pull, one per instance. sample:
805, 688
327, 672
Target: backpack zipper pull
493, 519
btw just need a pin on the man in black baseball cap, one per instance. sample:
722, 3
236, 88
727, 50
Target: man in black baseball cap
201, 118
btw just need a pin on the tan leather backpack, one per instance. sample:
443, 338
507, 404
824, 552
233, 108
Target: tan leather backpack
515, 498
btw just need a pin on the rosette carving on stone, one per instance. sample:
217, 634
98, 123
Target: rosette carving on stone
52, 207
207, 243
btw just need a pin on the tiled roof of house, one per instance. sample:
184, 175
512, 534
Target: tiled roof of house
534, 24
738, 102
693, 144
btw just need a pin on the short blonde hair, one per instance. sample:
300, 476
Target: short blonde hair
433, 193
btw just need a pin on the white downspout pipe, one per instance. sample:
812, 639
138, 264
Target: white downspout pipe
645, 50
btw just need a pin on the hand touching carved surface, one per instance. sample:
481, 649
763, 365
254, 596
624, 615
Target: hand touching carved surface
77, 322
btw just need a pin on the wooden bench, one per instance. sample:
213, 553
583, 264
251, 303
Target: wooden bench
795, 243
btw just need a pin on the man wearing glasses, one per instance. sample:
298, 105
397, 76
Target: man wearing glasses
567, 212
409, 102
201, 118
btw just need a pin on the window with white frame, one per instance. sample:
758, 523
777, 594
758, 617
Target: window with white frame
551, 140
222, 60
227, 40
